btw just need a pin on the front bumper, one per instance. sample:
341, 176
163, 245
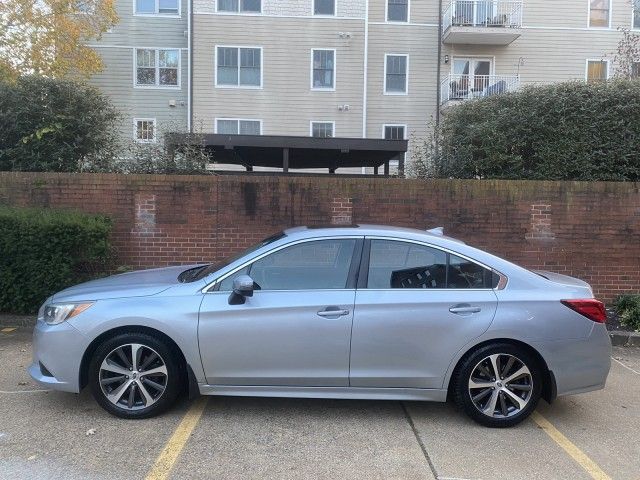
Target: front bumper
59, 349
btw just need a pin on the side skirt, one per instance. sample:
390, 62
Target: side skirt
361, 393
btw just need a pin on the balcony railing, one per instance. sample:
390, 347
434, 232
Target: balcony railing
466, 87
483, 13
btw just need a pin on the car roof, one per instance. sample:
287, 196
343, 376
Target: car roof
368, 230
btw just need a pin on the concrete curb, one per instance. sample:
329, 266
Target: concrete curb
25, 321
625, 339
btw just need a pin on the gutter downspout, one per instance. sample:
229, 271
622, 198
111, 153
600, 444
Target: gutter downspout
439, 66
189, 62
366, 70
365, 87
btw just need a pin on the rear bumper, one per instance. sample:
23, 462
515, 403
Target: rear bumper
59, 349
580, 365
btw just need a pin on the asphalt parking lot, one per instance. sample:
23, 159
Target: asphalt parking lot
55, 435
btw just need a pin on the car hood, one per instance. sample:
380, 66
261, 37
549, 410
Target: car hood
140, 283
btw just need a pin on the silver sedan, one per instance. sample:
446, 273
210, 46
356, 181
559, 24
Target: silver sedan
364, 312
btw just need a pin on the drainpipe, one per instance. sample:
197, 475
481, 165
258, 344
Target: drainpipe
439, 66
366, 70
189, 62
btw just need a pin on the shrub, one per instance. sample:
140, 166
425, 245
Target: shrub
628, 308
43, 251
54, 125
566, 131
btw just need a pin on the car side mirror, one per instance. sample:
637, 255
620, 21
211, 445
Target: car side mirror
243, 287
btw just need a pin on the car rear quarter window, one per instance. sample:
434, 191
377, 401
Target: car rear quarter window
397, 264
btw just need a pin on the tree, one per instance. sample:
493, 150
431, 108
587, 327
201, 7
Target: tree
627, 56
626, 59
54, 125
48, 37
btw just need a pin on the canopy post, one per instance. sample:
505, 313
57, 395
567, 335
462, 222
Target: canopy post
285, 160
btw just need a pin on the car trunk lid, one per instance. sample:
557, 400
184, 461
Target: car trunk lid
579, 286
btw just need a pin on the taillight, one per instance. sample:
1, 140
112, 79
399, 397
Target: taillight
591, 308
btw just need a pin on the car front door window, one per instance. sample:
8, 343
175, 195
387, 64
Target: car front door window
314, 265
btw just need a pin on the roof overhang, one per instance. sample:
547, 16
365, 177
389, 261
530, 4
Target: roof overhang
292, 152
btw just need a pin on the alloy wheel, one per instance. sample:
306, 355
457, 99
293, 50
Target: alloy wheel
133, 376
500, 385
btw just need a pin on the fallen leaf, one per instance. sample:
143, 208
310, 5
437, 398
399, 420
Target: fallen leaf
91, 431
32, 457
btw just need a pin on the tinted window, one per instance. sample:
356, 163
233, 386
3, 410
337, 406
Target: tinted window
316, 265
394, 264
466, 274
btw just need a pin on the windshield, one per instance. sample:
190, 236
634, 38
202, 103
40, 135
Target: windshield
214, 267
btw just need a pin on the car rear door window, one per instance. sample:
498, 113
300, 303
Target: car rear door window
397, 264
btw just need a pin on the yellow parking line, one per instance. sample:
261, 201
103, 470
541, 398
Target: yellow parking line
171, 451
8, 329
574, 452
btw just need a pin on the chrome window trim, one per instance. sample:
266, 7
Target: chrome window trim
223, 277
449, 251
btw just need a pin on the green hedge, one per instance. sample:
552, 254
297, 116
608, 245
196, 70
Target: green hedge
43, 251
54, 125
628, 307
566, 131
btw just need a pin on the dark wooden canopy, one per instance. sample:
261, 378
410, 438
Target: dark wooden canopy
293, 152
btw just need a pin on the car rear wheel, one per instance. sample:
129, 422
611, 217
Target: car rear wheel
135, 375
498, 385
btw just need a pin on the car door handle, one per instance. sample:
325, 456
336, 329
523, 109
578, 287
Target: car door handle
464, 309
333, 312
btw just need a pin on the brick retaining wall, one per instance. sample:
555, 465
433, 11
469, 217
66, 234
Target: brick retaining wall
589, 230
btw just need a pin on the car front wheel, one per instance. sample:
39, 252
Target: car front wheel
498, 385
135, 375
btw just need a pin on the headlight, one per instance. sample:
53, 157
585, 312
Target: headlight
58, 313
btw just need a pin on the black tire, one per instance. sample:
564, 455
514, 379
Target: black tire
173, 382
462, 394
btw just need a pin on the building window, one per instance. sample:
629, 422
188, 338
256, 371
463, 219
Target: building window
324, 7
636, 14
635, 70
144, 130
233, 126
323, 69
157, 7
159, 68
597, 70
599, 13
246, 6
239, 67
396, 132
396, 67
397, 10
322, 129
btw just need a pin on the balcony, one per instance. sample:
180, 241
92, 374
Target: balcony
458, 88
481, 22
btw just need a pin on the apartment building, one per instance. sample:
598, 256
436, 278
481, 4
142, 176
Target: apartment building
342, 68
146, 67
